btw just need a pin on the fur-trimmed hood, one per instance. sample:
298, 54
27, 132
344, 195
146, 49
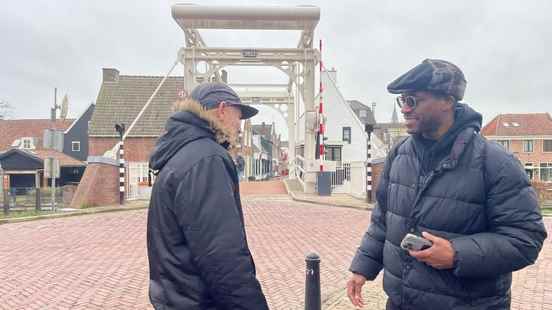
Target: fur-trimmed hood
190, 122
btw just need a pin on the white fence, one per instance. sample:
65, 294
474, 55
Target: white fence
341, 175
300, 169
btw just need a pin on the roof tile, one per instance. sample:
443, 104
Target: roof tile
506, 125
121, 102
11, 130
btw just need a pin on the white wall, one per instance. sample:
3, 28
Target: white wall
338, 115
358, 180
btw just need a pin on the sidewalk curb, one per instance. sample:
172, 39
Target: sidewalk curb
295, 198
70, 214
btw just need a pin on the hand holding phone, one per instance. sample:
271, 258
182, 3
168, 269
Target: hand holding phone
412, 242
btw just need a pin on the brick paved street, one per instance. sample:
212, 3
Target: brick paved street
99, 261
265, 188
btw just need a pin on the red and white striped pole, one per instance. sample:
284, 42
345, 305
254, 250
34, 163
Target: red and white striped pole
321, 129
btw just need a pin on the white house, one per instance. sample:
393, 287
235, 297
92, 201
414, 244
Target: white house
257, 150
262, 157
345, 140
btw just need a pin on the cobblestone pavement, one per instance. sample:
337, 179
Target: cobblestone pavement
99, 261
275, 187
283, 232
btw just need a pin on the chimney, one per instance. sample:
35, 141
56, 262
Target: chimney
110, 75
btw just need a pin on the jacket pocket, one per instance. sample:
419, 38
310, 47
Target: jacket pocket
480, 288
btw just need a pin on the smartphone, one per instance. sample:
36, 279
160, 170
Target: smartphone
415, 243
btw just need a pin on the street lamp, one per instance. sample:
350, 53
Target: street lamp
120, 128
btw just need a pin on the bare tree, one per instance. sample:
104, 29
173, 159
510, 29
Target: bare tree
5, 109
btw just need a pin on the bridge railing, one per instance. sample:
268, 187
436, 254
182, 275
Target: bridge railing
300, 169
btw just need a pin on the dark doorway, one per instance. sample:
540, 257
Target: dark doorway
22, 180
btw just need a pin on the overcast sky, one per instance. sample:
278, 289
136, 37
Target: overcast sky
503, 47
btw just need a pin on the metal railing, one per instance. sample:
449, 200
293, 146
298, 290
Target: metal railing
26, 198
300, 170
137, 191
340, 175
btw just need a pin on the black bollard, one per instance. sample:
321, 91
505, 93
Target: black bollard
312, 283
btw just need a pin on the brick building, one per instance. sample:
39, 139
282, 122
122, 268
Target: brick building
528, 137
120, 99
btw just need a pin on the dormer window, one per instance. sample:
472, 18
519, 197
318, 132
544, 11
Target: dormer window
27, 143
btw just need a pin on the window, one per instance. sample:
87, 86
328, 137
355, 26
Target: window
504, 143
363, 114
546, 171
347, 134
333, 152
527, 146
75, 146
27, 143
547, 146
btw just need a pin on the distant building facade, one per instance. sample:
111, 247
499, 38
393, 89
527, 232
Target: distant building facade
528, 137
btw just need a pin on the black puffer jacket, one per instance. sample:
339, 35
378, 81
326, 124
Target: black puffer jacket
197, 247
464, 189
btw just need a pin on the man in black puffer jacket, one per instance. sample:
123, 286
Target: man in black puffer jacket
197, 248
446, 183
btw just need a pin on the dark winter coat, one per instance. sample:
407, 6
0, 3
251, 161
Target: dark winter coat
197, 246
462, 188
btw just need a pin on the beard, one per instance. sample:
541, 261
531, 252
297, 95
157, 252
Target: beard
424, 125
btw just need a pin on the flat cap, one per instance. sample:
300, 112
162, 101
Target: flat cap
431, 75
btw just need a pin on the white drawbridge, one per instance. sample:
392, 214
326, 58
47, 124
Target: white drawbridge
292, 100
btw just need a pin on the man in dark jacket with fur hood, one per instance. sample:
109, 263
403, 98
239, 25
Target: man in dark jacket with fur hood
197, 246
447, 184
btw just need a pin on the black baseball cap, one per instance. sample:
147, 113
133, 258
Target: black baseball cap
210, 94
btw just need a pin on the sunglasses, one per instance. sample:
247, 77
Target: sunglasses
409, 101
